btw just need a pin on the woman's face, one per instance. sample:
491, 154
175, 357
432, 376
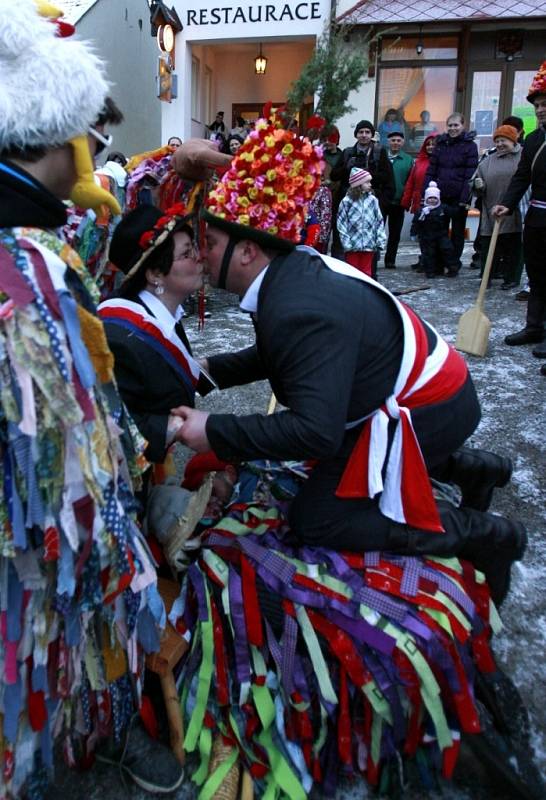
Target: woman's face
429, 147
503, 144
234, 145
391, 116
454, 126
186, 273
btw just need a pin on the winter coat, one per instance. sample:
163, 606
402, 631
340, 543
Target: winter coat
452, 165
360, 224
496, 172
401, 166
433, 225
413, 190
374, 159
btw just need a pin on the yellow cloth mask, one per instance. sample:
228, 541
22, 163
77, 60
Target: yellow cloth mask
86, 193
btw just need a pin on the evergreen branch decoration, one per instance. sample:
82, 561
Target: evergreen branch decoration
333, 72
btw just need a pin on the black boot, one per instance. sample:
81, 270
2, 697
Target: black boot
540, 350
490, 542
533, 333
478, 472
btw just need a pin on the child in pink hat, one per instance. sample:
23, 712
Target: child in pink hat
360, 224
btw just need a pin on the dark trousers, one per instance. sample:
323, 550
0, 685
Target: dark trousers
320, 518
458, 216
437, 253
507, 256
534, 249
395, 218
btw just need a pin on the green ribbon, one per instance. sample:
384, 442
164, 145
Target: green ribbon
284, 776
216, 779
205, 748
317, 659
203, 680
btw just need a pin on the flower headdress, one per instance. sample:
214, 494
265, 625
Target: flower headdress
538, 85
150, 239
265, 193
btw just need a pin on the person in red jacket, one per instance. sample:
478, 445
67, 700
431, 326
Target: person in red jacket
413, 190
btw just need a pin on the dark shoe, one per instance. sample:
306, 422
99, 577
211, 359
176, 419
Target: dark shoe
523, 295
543, 369
149, 763
415, 266
452, 273
525, 336
478, 472
390, 266
540, 350
506, 286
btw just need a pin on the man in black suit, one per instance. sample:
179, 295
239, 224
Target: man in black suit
532, 172
371, 392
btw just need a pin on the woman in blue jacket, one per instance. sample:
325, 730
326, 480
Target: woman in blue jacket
452, 165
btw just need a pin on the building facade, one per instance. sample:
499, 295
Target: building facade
431, 57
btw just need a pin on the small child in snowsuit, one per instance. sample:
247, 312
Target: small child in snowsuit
359, 222
432, 229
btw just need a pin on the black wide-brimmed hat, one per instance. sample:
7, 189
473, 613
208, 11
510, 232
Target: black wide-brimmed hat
141, 232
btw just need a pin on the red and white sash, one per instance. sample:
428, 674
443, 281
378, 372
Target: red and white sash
423, 379
134, 317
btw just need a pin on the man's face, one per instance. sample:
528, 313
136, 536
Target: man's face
215, 247
395, 143
174, 141
540, 108
364, 136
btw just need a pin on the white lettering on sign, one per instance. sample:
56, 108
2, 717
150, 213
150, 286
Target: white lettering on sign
228, 15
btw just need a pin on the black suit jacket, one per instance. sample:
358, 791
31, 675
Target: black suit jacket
148, 385
525, 177
376, 161
331, 348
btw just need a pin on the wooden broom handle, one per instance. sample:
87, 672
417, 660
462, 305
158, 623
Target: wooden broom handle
488, 264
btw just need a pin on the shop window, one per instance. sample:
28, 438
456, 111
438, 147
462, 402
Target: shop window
419, 98
484, 108
195, 88
520, 106
408, 48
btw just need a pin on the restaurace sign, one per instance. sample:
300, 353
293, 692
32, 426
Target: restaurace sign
232, 15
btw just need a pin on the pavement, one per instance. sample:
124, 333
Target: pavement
512, 394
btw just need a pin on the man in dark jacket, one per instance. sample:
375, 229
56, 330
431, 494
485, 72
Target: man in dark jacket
532, 172
452, 164
371, 156
336, 349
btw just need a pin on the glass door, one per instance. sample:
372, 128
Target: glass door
519, 106
484, 106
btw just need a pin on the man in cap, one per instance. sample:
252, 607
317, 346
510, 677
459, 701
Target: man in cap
371, 156
346, 359
401, 166
531, 172
83, 604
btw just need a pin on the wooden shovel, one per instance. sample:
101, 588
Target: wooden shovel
474, 326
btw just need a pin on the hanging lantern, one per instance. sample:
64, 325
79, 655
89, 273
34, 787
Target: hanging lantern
260, 62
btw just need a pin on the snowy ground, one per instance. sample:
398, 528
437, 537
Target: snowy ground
512, 394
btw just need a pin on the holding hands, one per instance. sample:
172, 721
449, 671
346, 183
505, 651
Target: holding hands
192, 431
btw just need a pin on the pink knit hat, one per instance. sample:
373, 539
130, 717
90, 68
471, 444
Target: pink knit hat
358, 176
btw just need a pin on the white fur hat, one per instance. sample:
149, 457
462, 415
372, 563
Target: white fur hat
51, 88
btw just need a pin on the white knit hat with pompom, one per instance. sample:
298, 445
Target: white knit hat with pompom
51, 89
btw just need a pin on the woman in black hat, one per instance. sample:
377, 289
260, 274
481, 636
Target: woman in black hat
154, 367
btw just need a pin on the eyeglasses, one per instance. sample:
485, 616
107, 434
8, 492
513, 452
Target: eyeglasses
102, 140
190, 253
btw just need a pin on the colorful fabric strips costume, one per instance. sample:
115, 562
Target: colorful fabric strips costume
307, 661
133, 317
79, 606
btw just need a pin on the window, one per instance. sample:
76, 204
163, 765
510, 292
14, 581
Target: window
405, 48
484, 107
195, 89
520, 106
419, 99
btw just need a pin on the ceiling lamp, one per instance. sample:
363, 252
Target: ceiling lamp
419, 47
260, 63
